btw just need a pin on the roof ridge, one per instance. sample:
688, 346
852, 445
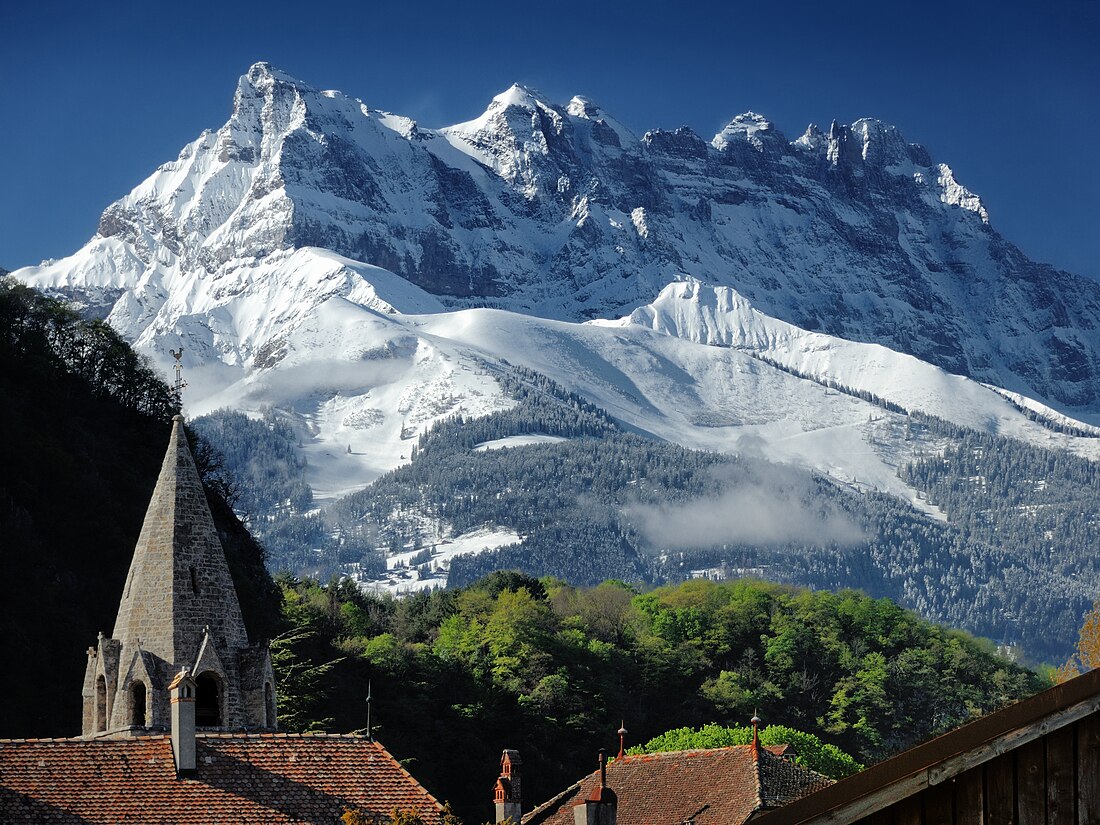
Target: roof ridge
689, 751
148, 737
757, 770
309, 734
81, 740
530, 817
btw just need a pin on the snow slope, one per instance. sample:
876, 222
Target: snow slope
363, 383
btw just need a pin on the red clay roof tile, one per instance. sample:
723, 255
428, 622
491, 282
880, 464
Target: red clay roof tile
720, 786
268, 778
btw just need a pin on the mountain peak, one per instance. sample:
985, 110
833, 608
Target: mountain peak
883, 142
587, 109
748, 127
520, 96
548, 209
263, 73
813, 138
511, 112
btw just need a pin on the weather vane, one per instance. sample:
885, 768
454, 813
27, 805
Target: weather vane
178, 367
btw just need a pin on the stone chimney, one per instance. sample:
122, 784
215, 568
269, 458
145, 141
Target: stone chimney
602, 806
182, 693
506, 793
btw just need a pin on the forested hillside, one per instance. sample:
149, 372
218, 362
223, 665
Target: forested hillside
553, 670
1014, 559
84, 424
1043, 504
262, 459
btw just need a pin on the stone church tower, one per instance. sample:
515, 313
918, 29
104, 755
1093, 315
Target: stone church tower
179, 610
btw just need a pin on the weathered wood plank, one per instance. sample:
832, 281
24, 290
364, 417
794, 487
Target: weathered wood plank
939, 804
1011, 740
1088, 770
878, 799
1031, 795
863, 807
1061, 792
970, 798
1000, 782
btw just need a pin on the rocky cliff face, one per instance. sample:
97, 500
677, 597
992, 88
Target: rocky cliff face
560, 211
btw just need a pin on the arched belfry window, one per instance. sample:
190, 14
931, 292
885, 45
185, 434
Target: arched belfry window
137, 705
208, 700
100, 703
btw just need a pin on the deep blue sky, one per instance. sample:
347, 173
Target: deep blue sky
93, 96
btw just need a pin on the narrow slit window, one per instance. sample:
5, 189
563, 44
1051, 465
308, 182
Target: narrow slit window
137, 705
100, 704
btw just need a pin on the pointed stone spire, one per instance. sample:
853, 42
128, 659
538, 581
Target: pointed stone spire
179, 581
179, 610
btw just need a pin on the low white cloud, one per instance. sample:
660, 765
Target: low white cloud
284, 386
772, 505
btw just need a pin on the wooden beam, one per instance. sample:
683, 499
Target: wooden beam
949, 755
1010, 741
906, 786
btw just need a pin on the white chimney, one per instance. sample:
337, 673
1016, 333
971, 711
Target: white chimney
602, 806
182, 695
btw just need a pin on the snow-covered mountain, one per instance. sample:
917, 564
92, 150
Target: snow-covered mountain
238, 252
560, 212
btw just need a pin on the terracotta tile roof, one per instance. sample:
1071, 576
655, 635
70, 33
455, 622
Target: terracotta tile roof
720, 786
240, 778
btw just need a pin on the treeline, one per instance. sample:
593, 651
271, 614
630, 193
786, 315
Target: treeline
552, 670
1044, 504
573, 503
543, 407
1058, 426
831, 383
42, 334
583, 553
1040, 508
